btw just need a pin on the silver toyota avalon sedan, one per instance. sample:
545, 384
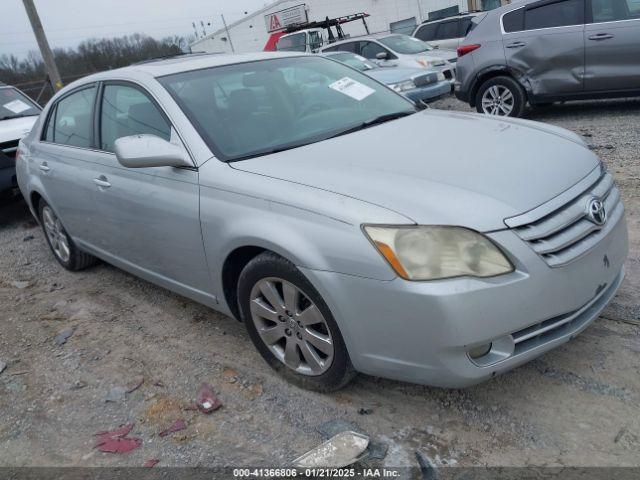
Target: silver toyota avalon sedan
349, 232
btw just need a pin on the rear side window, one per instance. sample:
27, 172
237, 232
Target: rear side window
614, 10
447, 30
559, 14
514, 21
71, 120
128, 111
371, 49
427, 32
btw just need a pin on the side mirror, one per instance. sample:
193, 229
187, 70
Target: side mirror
144, 151
382, 56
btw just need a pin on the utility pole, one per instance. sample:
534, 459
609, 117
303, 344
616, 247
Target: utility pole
45, 50
233, 50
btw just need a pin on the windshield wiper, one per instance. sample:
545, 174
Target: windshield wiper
374, 121
369, 123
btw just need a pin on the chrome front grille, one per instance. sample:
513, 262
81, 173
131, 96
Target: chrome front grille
567, 233
423, 80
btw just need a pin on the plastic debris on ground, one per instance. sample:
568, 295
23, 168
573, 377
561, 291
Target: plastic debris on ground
136, 385
376, 450
63, 336
2, 366
206, 400
342, 450
116, 441
116, 394
152, 462
176, 427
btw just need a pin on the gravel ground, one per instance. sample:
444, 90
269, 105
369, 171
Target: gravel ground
576, 406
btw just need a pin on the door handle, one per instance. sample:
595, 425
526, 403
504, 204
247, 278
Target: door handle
102, 182
601, 36
516, 45
44, 167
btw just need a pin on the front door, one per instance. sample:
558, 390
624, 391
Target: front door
148, 219
544, 46
613, 45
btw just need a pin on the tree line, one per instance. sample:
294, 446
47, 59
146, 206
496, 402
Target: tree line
90, 56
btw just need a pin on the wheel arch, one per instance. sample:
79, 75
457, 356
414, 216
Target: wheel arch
493, 72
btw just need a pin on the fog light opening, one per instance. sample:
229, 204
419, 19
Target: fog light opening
480, 351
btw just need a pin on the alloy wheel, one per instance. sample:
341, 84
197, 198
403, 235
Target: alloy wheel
498, 100
291, 326
56, 234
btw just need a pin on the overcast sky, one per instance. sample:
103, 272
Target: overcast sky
68, 22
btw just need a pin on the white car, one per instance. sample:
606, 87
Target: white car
446, 32
396, 50
18, 113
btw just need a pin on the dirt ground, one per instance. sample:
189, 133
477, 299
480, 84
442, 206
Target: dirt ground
576, 406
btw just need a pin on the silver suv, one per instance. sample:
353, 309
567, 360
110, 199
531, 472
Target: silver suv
543, 51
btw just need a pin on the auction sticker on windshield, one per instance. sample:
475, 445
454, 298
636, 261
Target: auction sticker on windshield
17, 106
351, 88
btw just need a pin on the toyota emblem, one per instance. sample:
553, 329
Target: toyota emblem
596, 212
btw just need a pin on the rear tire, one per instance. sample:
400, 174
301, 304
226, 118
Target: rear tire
282, 331
62, 246
501, 96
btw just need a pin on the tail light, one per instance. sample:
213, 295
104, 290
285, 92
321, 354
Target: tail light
464, 49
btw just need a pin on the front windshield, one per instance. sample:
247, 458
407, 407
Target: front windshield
353, 60
405, 45
14, 104
255, 108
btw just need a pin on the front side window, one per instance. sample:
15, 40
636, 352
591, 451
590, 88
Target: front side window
615, 10
371, 50
405, 45
14, 104
128, 111
293, 43
72, 119
427, 32
559, 14
257, 108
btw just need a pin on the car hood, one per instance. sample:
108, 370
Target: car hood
15, 128
397, 74
441, 168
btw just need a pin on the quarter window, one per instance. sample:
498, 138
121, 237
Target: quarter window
71, 120
559, 14
614, 10
128, 111
513, 21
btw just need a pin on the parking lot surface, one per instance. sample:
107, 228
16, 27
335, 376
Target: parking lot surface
73, 341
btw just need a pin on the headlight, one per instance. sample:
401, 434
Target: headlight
441, 77
403, 86
432, 253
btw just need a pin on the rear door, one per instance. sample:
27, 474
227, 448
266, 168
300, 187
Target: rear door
612, 39
148, 218
544, 45
62, 161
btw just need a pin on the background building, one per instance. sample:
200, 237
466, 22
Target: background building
251, 33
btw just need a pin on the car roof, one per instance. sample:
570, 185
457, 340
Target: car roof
186, 63
452, 17
376, 36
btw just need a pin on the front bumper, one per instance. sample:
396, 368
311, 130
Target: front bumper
429, 93
420, 332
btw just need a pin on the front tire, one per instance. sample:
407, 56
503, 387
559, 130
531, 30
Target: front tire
63, 248
291, 325
501, 96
